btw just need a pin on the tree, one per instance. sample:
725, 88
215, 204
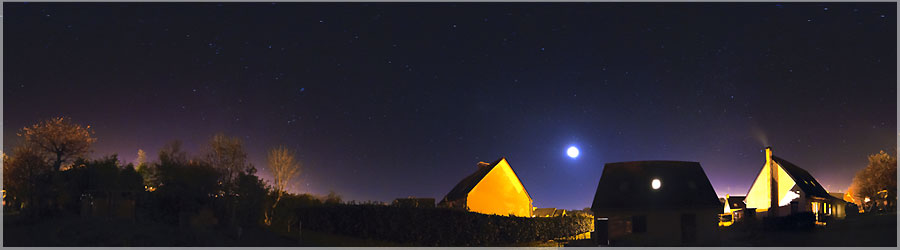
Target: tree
59, 139
332, 198
27, 176
143, 169
227, 155
141, 157
252, 192
183, 187
172, 153
877, 182
284, 168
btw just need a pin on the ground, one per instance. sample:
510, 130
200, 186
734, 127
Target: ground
863, 230
69, 231
867, 230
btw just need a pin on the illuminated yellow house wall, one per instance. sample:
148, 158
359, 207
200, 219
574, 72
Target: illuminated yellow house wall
500, 192
759, 195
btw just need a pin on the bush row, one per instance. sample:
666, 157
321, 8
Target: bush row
436, 226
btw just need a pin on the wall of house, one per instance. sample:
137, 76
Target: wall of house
500, 192
663, 227
759, 194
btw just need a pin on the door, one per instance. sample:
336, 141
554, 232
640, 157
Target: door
601, 231
688, 228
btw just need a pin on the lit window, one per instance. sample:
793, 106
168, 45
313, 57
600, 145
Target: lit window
655, 184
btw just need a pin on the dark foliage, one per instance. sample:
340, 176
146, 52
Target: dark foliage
90, 176
184, 188
285, 214
26, 175
436, 227
251, 195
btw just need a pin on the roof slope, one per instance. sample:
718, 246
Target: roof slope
736, 202
804, 180
544, 212
627, 185
462, 189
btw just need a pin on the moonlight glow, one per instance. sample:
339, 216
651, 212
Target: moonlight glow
572, 152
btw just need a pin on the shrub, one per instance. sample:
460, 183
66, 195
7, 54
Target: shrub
436, 227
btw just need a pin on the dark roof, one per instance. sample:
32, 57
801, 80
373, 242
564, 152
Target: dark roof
462, 189
627, 185
736, 202
804, 180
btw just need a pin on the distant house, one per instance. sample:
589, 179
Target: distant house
492, 189
559, 213
655, 203
791, 190
544, 212
733, 209
414, 202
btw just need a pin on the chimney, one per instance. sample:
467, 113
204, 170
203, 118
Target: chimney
773, 180
483, 164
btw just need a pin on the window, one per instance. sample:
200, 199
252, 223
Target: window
639, 224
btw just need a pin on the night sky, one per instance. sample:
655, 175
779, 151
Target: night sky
393, 100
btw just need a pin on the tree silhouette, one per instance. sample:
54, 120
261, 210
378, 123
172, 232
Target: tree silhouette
26, 177
284, 168
877, 182
59, 139
172, 153
227, 155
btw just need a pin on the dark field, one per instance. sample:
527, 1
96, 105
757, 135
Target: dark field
865, 230
868, 230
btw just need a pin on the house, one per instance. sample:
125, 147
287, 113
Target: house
655, 203
790, 190
733, 210
543, 212
414, 202
492, 189
559, 213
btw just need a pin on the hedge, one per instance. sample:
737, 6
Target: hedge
436, 226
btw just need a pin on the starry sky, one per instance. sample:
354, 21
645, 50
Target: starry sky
391, 100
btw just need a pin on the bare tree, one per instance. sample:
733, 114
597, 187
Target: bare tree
59, 139
172, 153
227, 155
284, 168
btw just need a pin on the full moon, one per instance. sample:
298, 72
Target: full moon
572, 152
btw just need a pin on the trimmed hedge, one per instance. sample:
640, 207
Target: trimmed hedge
436, 226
